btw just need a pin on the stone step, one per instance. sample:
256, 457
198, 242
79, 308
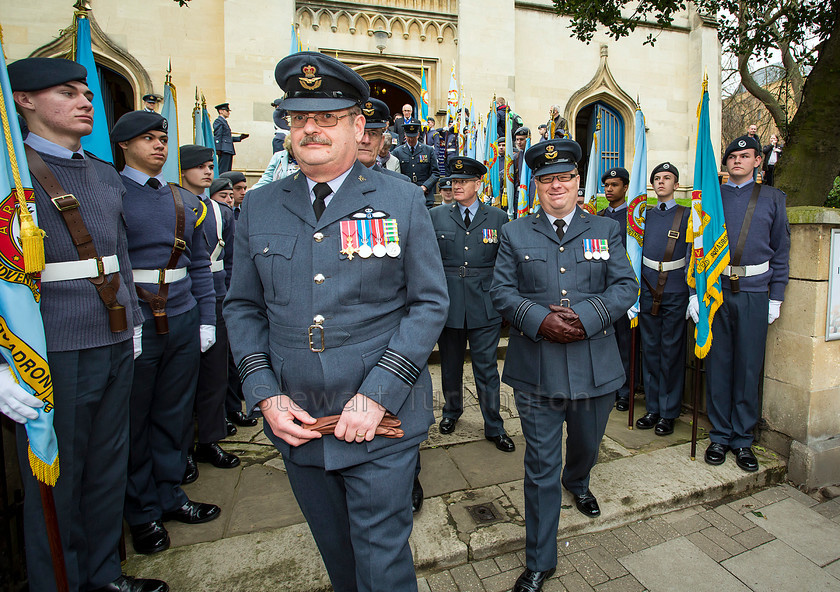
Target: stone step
629, 488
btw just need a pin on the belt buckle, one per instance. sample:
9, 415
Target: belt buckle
312, 344
180, 244
661, 263
462, 272
161, 276
673, 234
568, 303
100, 266
72, 202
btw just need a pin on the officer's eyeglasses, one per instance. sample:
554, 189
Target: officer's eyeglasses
562, 177
322, 119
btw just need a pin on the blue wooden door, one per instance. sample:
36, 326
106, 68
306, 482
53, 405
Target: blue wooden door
610, 139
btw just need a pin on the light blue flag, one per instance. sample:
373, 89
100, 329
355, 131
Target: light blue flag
523, 184
295, 46
637, 208
510, 182
706, 232
491, 156
98, 141
172, 166
424, 98
208, 140
22, 341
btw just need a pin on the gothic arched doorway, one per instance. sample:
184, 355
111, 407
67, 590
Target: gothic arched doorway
118, 97
611, 138
392, 95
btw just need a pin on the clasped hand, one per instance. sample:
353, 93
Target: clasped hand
562, 325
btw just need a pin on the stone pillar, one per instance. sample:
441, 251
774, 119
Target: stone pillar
486, 50
802, 369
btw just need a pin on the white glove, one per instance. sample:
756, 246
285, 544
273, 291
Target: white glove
633, 312
207, 335
693, 309
774, 312
15, 402
138, 341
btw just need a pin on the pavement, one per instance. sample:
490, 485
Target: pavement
667, 522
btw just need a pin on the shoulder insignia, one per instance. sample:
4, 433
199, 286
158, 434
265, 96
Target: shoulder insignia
361, 178
297, 174
202, 215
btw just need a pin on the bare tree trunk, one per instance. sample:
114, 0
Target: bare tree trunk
811, 159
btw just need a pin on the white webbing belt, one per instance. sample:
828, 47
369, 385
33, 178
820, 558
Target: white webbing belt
153, 276
217, 264
79, 270
746, 270
663, 265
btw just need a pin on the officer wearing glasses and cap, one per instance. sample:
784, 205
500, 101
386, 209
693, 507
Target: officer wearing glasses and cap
562, 277
334, 307
376, 115
418, 162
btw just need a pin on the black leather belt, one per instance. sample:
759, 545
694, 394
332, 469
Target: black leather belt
464, 271
320, 336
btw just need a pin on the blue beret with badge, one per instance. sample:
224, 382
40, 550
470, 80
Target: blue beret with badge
553, 156
193, 155
317, 82
522, 131
134, 123
220, 184
376, 113
463, 167
234, 176
31, 74
616, 173
665, 167
742, 143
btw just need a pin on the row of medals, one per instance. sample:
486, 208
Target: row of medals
594, 253
378, 250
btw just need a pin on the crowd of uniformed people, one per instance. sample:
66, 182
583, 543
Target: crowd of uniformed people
315, 298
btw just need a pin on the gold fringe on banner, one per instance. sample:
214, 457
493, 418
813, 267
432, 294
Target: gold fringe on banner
43, 472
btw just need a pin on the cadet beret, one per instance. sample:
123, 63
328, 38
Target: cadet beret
445, 183
665, 167
152, 98
376, 114
462, 167
234, 176
553, 156
522, 131
742, 143
134, 123
193, 155
30, 74
317, 82
412, 129
220, 184
222, 106
616, 173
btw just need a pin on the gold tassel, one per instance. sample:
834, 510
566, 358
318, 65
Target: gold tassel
32, 242
43, 472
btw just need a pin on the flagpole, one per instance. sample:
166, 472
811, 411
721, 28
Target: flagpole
695, 395
54, 537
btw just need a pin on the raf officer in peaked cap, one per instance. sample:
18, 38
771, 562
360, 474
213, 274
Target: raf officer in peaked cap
468, 237
376, 115
172, 278
417, 162
224, 138
753, 290
88, 307
150, 102
333, 309
562, 277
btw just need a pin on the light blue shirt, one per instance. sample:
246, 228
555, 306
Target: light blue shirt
611, 209
45, 146
335, 184
744, 184
567, 219
141, 178
671, 203
473, 209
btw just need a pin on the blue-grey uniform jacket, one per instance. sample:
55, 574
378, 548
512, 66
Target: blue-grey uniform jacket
221, 278
468, 258
535, 269
223, 137
150, 215
381, 315
657, 226
420, 166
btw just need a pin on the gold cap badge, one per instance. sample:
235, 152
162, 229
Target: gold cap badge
309, 81
368, 109
550, 152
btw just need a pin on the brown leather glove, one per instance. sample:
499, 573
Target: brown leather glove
556, 329
388, 427
570, 316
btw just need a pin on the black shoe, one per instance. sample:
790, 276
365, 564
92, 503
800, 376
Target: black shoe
502, 442
416, 496
191, 472
587, 504
745, 459
716, 453
126, 583
212, 453
532, 581
241, 419
231, 429
194, 513
149, 537
622, 404
664, 426
647, 421
447, 425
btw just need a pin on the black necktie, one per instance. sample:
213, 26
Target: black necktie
236, 213
560, 224
321, 190
77, 156
153, 183
662, 207
467, 219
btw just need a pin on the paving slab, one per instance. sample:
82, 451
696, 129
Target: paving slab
679, 565
264, 501
833, 569
811, 534
439, 473
776, 567
482, 464
433, 541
